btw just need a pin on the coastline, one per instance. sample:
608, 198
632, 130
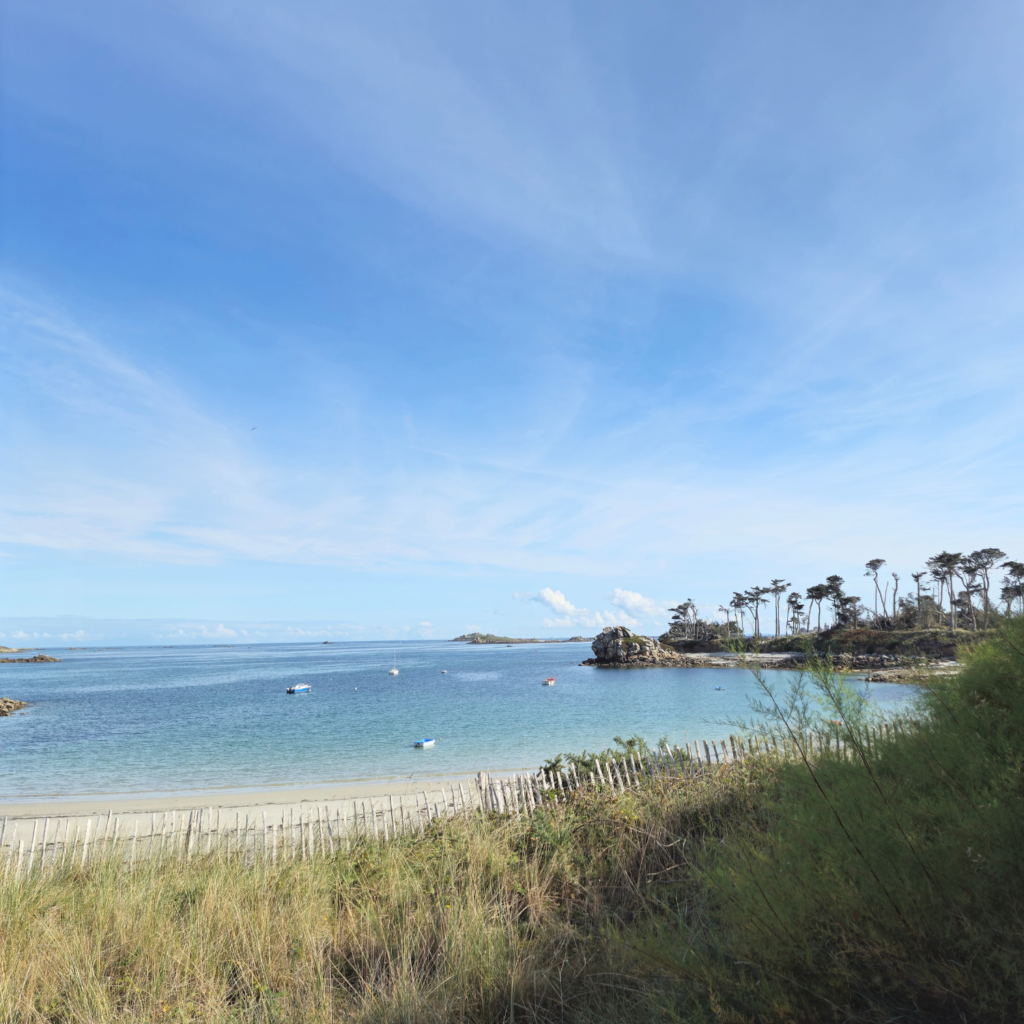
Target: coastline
233, 800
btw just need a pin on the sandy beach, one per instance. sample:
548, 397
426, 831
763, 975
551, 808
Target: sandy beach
272, 802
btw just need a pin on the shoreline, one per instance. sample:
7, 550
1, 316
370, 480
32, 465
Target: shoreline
240, 800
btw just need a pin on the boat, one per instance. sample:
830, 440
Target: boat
393, 671
550, 681
719, 687
300, 688
444, 671
423, 744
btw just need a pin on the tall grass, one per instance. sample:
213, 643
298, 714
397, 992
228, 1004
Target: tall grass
478, 920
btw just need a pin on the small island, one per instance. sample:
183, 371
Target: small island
490, 638
35, 659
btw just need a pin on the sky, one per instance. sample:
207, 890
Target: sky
371, 321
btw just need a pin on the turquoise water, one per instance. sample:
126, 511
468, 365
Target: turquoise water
197, 719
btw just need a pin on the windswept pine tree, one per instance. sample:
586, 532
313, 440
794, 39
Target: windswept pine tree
964, 581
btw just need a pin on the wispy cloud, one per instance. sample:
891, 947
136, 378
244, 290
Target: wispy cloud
112, 459
550, 302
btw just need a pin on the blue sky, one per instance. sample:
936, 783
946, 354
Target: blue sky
545, 315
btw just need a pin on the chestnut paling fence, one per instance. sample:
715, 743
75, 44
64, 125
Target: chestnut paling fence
38, 845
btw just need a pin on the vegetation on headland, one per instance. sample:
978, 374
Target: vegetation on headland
874, 881
957, 592
919, 643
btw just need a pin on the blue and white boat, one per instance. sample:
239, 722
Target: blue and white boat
300, 688
423, 744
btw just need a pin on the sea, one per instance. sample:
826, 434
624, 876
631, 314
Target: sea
200, 719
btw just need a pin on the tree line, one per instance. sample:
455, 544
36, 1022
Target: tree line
954, 588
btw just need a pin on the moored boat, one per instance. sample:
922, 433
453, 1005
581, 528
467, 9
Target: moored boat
300, 688
423, 744
550, 681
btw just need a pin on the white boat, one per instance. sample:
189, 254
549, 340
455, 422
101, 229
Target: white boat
423, 744
550, 681
300, 688
393, 671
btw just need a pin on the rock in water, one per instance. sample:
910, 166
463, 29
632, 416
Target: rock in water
8, 705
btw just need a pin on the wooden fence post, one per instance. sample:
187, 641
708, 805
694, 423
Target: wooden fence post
42, 846
85, 843
32, 847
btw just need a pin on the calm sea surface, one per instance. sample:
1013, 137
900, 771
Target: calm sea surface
196, 719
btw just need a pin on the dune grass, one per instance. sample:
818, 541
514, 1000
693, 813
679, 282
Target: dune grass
478, 920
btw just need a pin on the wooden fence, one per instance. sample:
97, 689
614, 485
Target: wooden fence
304, 831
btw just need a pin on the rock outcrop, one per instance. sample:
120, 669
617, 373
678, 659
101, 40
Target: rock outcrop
8, 705
618, 647
28, 661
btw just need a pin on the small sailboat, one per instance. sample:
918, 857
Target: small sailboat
393, 671
300, 688
550, 681
423, 744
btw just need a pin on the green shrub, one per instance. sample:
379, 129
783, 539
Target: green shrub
886, 880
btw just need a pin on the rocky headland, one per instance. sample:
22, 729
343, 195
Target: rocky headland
902, 658
28, 661
8, 705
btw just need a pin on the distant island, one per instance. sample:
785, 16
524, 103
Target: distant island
490, 638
